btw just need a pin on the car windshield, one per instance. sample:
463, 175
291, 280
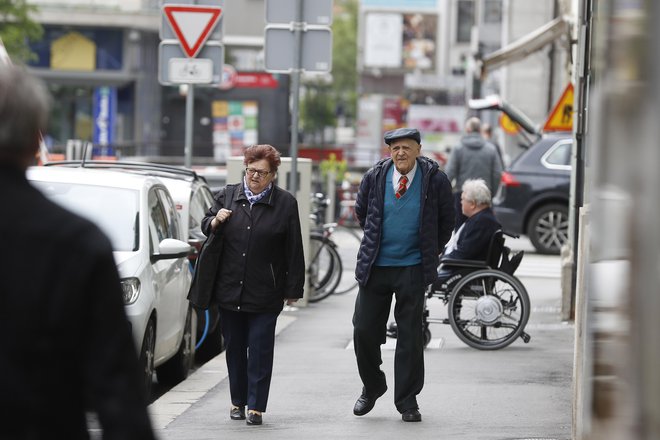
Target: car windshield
113, 210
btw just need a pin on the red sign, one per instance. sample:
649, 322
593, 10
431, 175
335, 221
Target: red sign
192, 25
256, 80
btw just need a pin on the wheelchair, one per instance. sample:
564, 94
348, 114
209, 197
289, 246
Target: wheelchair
487, 306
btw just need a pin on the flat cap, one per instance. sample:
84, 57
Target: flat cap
402, 133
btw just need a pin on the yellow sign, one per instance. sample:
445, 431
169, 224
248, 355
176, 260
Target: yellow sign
508, 125
561, 118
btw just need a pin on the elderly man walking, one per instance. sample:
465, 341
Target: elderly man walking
404, 206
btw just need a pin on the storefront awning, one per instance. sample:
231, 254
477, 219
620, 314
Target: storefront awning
526, 45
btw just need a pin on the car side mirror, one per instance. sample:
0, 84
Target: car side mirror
169, 249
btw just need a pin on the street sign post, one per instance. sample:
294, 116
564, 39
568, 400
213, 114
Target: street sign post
316, 49
185, 31
314, 12
293, 45
211, 54
192, 25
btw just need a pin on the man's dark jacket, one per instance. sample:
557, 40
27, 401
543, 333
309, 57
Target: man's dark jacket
474, 240
65, 342
437, 216
262, 261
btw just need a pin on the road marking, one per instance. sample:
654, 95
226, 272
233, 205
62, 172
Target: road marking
390, 344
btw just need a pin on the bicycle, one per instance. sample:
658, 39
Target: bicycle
326, 265
326, 268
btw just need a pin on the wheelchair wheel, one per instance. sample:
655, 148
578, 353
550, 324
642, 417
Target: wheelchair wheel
488, 309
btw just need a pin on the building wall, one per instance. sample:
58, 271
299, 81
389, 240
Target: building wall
139, 127
535, 83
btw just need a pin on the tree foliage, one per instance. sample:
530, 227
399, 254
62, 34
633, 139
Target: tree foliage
323, 101
17, 29
344, 53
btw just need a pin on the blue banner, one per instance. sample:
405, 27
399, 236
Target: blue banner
105, 112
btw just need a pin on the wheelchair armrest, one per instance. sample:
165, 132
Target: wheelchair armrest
457, 262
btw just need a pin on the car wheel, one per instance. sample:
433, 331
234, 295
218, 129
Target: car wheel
147, 358
548, 228
177, 368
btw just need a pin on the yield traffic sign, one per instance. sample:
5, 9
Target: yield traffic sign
192, 25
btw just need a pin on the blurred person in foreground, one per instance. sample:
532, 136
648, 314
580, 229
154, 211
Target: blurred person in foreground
404, 205
474, 158
261, 266
65, 342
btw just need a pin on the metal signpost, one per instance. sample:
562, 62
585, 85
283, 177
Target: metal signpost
298, 37
190, 53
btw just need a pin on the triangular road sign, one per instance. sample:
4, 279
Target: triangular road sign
561, 118
192, 25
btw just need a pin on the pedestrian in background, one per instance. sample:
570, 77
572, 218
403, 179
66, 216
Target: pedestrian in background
261, 267
474, 158
65, 343
487, 133
404, 205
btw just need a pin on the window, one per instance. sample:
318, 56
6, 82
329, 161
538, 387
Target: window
157, 221
492, 11
465, 20
200, 203
559, 155
173, 229
113, 210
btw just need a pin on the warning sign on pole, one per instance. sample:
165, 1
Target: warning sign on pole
561, 117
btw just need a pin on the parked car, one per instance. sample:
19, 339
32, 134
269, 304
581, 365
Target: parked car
138, 214
192, 197
533, 196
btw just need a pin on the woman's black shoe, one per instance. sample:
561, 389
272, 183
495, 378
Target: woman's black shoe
253, 418
237, 413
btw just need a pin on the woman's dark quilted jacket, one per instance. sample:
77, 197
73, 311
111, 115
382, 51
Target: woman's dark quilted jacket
437, 216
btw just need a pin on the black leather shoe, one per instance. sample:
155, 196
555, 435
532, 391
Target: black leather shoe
411, 415
237, 413
366, 402
253, 418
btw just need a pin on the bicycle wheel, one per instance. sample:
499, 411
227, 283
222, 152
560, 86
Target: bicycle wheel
488, 309
351, 234
325, 268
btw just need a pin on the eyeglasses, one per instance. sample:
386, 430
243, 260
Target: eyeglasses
251, 172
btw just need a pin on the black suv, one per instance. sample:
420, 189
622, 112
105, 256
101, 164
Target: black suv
533, 196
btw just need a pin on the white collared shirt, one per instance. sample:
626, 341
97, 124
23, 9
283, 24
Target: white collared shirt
397, 175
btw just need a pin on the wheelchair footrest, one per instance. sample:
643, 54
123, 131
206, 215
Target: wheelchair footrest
525, 337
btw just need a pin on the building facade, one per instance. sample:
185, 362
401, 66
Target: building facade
100, 61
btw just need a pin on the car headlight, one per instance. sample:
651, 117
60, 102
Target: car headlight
130, 289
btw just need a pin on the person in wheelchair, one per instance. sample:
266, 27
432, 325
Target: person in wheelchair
494, 314
472, 239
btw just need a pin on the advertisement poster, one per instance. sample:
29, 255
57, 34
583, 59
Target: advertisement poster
235, 127
105, 113
419, 41
382, 46
401, 41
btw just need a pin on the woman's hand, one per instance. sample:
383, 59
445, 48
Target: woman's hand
290, 301
220, 217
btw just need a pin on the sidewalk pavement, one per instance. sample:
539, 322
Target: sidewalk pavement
520, 392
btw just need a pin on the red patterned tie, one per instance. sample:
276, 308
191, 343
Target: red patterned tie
403, 181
